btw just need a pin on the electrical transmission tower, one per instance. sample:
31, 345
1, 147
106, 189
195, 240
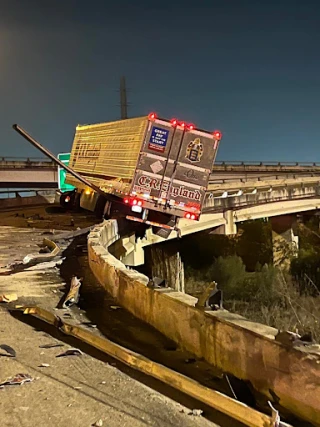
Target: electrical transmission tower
123, 98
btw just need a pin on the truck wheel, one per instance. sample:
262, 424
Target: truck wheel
77, 199
99, 209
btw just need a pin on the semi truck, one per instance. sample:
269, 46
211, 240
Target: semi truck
145, 169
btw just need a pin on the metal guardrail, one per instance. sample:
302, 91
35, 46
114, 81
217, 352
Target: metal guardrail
32, 190
265, 163
217, 163
25, 159
249, 178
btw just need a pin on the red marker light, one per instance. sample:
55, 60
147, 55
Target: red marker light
152, 116
182, 124
190, 127
174, 122
217, 134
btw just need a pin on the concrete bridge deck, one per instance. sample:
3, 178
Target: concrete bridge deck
22, 173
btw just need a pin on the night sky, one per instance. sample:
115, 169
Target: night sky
248, 68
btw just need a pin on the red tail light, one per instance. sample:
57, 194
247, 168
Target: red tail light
152, 116
192, 216
217, 135
132, 201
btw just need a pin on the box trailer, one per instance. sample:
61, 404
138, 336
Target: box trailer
157, 169
145, 169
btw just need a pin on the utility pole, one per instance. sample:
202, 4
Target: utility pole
123, 98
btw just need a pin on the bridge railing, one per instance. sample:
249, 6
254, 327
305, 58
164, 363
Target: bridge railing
248, 178
266, 163
24, 159
8, 194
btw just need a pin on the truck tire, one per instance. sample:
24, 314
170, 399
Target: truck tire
100, 205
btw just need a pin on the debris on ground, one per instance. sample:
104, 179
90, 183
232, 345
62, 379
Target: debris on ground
73, 294
194, 412
72, 234
190, 360
44, 250
67, 315
9, 351
115, 307
89, 325
44, 365
18, 379
50, 232
71, 352
8, 297
294, 339
98, 423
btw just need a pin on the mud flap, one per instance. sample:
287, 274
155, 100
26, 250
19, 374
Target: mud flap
164, 232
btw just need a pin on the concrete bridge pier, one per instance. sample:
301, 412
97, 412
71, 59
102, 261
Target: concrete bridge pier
165, 263
229, 228
284, 242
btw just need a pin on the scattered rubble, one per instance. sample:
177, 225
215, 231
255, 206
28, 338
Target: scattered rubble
9, 351
18, 379
89, 325
190, 360
73, 294
8, 298
193, 412
71, 352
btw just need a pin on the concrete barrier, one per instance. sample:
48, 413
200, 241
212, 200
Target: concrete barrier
17, 202
230, 342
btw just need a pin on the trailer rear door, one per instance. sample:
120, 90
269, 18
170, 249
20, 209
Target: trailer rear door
174, 165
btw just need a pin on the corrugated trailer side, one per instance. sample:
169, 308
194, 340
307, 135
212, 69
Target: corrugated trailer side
107, 153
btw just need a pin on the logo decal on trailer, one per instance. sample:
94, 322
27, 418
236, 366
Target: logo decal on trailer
156, 166
194, 150
158, 140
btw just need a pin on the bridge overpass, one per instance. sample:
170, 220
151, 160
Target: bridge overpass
41, 173
230, 203
27, 173
238, 191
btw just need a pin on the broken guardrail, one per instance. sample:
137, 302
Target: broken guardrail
225, 404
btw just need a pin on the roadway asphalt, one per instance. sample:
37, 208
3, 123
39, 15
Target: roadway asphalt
79, 391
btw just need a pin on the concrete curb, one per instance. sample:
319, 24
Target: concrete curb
235, 345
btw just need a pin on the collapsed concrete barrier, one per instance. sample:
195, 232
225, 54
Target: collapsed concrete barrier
230, 342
